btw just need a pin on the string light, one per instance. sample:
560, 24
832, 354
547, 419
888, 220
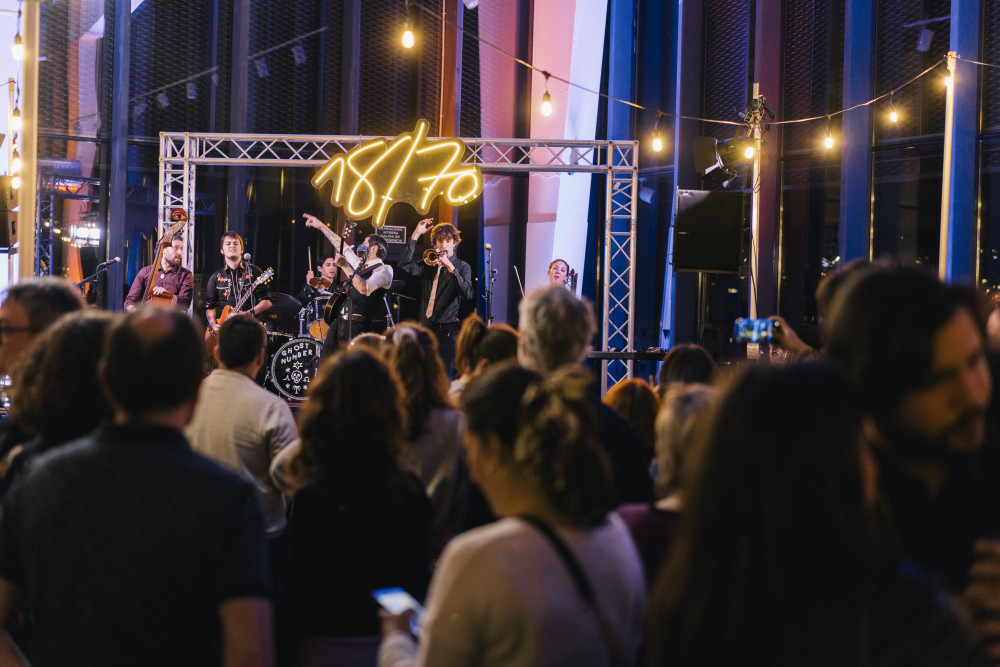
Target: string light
947, 81
15, 120
15, 182
15, 162
749, 151
18, 49
828, 141
893, 116
546, 98
657, 143
409, 39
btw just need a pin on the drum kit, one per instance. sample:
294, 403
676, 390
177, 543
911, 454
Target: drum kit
294, 360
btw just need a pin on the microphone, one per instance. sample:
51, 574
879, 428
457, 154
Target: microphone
109, 262
488, 247
362, 250
246, 257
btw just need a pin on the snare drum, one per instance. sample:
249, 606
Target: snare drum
294, 366
318, 328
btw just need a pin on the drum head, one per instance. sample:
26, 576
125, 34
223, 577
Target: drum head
294, 366
319, 329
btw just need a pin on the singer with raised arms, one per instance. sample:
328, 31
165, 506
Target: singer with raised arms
352, 307
229, 286
444, 281
174, 284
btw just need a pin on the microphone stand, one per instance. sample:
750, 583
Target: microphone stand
491, 275
101, 268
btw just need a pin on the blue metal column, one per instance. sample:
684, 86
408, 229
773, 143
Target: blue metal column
690, 27
118, 174
960, 228
856, 132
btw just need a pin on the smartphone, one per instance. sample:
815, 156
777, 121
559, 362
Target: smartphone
396, 601
746, 330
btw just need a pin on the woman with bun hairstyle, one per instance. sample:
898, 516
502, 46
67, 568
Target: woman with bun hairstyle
557, 580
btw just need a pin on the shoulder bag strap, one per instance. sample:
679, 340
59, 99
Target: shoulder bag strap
582, 584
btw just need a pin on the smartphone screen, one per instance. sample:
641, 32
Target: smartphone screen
396, 601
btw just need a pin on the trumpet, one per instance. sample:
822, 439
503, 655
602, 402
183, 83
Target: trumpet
431, 257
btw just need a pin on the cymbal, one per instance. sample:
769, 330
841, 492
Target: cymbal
284, 303
319, 283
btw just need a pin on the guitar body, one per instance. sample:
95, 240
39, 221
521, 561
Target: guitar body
211, 339
335, 304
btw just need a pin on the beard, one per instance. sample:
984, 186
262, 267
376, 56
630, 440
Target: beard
964, 436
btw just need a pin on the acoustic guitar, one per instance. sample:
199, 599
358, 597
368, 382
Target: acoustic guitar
211, 337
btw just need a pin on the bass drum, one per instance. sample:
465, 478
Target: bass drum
294, 365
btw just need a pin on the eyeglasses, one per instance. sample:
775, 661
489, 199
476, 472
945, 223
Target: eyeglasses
5, 329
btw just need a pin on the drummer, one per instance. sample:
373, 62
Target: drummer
318, 286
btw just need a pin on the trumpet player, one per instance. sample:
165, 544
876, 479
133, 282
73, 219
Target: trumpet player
444, 281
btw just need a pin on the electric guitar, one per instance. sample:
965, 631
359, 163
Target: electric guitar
211, 337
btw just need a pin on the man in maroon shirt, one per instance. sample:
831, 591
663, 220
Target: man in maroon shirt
172, 279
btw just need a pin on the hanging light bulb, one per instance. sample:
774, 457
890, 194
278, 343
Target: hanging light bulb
15, 120
15, 182
657, 143
18, 49
947, 81
408, 38
15, 162
749, 151
546, 98
828, 141
893, 116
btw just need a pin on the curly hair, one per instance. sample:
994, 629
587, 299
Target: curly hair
55, 395
352, 426
413, 355
548, 428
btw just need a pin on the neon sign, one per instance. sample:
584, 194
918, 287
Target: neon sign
373, 176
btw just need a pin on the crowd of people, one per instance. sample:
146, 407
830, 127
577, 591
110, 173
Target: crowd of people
839, 508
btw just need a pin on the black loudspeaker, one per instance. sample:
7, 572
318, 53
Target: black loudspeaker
708, 228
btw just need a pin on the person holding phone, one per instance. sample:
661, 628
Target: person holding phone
557, 580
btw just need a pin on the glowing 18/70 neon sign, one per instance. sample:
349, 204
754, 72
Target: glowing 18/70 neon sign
377, 174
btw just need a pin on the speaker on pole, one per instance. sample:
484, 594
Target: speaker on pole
708, 228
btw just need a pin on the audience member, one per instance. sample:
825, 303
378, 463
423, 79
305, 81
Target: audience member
778, 560
557, 581
555, 332
687, 363
654, 524
913, 349
479, 347
28, 308
55, 396
434, 427
127, 547
239, 423
635, 400
361, 522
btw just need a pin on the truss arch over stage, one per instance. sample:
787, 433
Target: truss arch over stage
181, 153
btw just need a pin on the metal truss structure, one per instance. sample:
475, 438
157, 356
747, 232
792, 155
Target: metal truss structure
181, 153
52, 186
